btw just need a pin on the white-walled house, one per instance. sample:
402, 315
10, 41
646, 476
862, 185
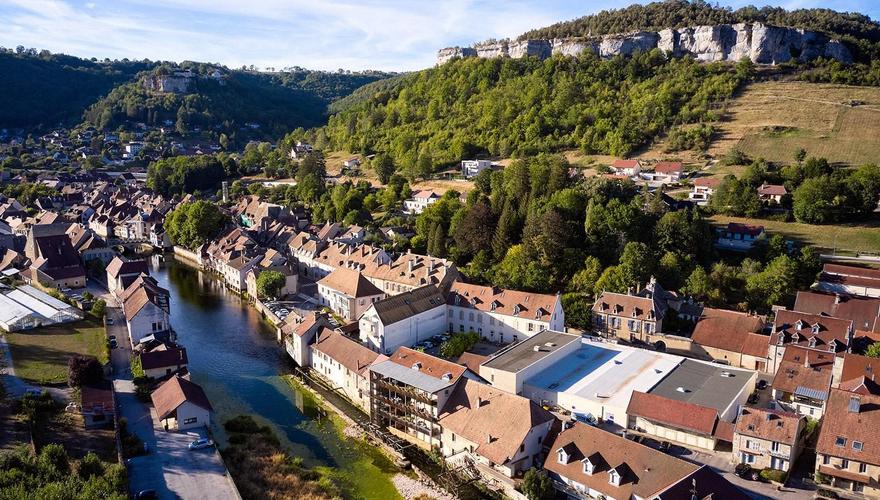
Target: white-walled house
146, 307
403, 320
348, 293
345, 365
420, 201
163, 361
704, 188
121, 273
501, 431
471, 168
181, 405
629, 168
299, 335
501, 315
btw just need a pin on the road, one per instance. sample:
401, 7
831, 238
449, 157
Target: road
169, 467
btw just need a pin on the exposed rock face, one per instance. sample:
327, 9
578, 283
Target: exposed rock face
761, 43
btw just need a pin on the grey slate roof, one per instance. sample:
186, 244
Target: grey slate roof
400, 307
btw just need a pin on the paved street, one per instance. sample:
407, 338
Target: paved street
169, 467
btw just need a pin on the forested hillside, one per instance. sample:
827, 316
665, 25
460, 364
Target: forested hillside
44, 89
277, 102
506, 107
858, 30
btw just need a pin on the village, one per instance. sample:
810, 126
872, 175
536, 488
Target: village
493, 380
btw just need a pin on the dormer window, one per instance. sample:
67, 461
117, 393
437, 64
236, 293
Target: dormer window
561, 456
812, 341
516, 309
815, 328
494, 305
589, 467
795, 338
832, 346
798, 325
614, 477
781, 339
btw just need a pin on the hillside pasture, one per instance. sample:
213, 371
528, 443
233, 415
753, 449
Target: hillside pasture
773, 119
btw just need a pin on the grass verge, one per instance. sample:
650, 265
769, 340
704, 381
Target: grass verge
844, 238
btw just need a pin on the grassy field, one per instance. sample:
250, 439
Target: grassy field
41, 355
773, 119
845, 238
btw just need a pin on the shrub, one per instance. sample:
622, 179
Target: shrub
776, 476
99, 308
83, 370
90, 466
458, 343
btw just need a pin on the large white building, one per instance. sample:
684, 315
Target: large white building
27, 307
147, 310
471, 168
345, 364
500, 315
347, 293
419, 202
403, 320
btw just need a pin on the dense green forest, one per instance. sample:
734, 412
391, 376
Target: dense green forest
506, 107
44, 89
858, 30
277, 102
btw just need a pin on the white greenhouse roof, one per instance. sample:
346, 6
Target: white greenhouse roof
11, 311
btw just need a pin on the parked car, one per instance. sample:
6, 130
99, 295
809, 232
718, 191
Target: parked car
33, 391
745, 471
113, 344
145, 495
109, 321
762, 384
112, 337
198, 444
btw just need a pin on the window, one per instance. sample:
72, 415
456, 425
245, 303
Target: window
840, 441
857, 445
614, 477
460, 314
560, 457
461, 328
826, 460
470, 316
531, 327
844, 464
752, 445
863, 468
522, 448
453, 437
747, 458
775, 446
191, 420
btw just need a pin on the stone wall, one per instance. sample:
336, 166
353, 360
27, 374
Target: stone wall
761, 43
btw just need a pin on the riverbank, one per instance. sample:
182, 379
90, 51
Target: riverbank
233, 354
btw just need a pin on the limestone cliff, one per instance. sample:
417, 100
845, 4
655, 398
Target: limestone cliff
761, 43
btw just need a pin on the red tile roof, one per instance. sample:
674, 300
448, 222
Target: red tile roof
645, 471
855, 418
802, 367
346, 351
727, 330
350, 283
769, 424
673, 413
428, 365
863, 311
829, 330
666, 167
176, 391
709, 182
625, 164
496, 421
772, 190
527, 305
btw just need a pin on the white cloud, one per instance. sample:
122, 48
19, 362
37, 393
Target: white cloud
328, 34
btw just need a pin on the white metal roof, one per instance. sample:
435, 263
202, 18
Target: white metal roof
41, 308
11, 311
44, 297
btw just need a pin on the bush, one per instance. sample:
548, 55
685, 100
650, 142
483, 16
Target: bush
90, 466
245, 424
458, 343
773, 475
83, 370
99, 308
537, 485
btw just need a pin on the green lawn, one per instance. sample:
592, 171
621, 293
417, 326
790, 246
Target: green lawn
844, 238
40, 356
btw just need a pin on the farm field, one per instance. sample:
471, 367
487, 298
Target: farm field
845, 238
40, 356
773, 119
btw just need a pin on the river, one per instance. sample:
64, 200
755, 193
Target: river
233, 355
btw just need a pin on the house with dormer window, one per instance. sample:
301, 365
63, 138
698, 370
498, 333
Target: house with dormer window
627, 317
501, 315
587, 462
846, 454
765, 438
803, 380
813, 331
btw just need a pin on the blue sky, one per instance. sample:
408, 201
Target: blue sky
318, 34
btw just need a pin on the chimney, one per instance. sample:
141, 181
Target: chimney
837, 298
488, 438
479, 401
